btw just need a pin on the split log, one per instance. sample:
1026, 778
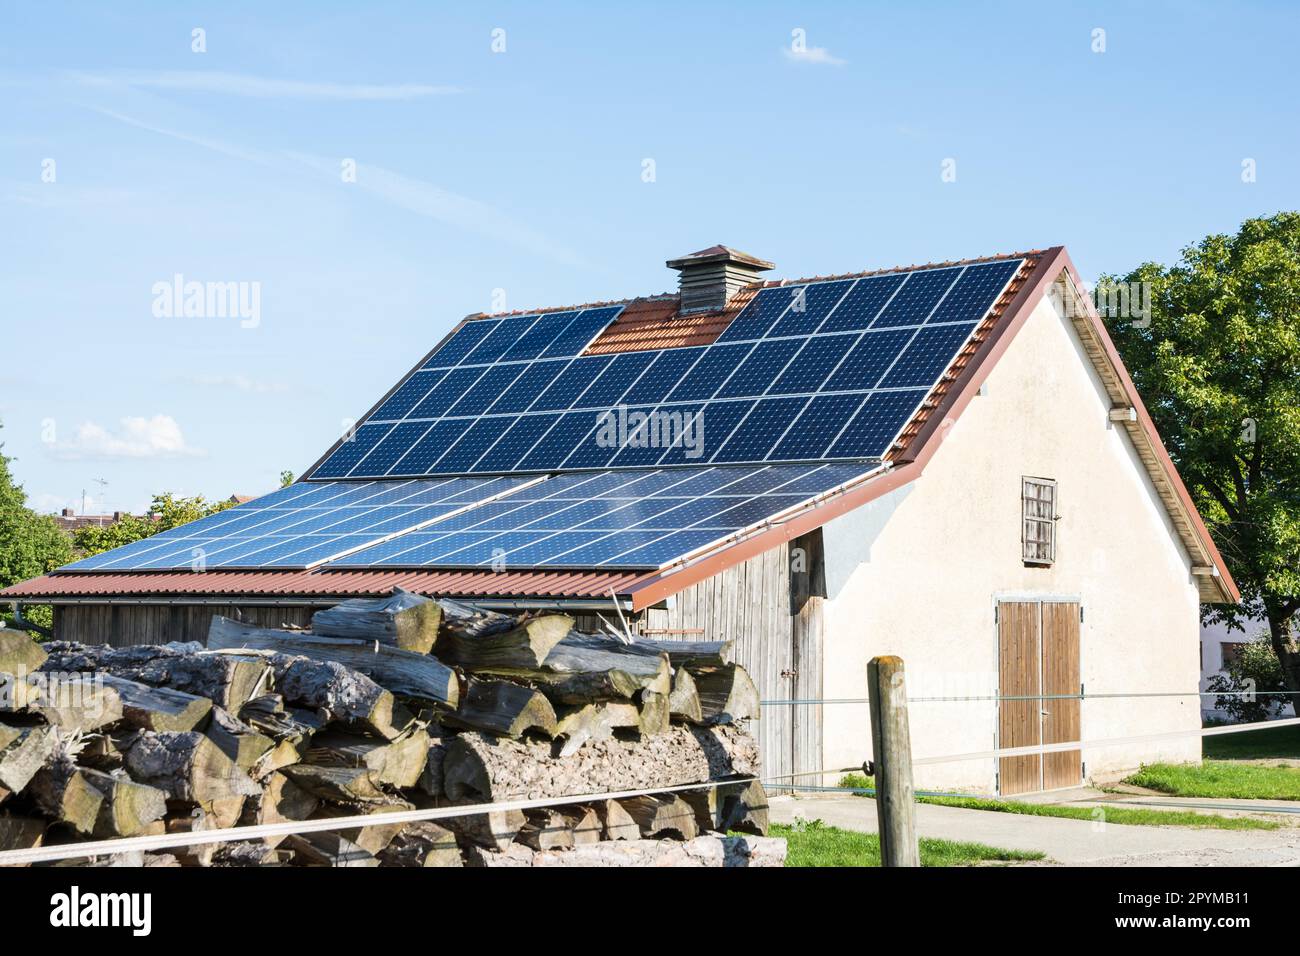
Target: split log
469, 621
655, 715
726, 693
581, 653
187, 766
19, 654
23, 751
158, 708
21, 833
244, 853
547, 829
479, 768
253, 752
595, 721
416, 676
500, 707
422, 844
64, 794
397, 763
684, 701
280, 800
328, 849
524, 646
346, 786
495, 830
740, 806
662, 815
431, 779
697, 653
128, 808
375, 837
615, 822
268, 715
405, 620
703, 851
196, 854
227, 681
82, 703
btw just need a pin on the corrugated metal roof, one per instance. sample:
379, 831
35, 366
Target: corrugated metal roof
523, 584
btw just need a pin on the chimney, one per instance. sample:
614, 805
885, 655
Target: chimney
710, 277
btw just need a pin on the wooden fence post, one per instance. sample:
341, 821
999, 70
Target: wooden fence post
892, 756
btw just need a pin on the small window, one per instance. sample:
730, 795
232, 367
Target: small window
1038, 511
1231, 651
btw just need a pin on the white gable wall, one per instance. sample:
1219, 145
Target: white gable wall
918, 573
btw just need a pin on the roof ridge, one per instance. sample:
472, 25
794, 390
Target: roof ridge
764, 284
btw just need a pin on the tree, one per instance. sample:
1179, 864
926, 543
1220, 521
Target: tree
1218, 365
166, 512
286, 479
30, 544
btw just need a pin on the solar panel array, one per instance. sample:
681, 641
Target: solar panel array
608, 519
828, 370
301, 525
803, 392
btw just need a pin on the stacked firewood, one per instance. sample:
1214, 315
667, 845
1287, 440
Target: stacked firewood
387, 704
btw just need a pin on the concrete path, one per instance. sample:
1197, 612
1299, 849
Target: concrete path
1067, 842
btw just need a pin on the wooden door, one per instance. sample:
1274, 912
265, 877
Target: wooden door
1019, 724
1038, 654
1060, 643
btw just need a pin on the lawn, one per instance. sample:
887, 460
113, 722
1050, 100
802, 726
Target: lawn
1129, 816
1253, 744
813, 843
1215, 778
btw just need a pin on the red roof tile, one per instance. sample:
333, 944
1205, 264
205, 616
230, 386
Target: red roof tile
522, 584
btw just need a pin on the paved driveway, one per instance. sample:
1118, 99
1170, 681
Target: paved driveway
1068, 842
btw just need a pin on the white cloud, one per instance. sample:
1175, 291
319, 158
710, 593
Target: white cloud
137, 437
260, 87
239, 383
817, 55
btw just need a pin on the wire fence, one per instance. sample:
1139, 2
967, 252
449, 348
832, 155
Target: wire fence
164, 841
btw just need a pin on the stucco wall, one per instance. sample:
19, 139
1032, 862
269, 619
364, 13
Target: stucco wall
919, 573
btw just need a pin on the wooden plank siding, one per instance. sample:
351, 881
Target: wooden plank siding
124, 625
750, 604
1019, 724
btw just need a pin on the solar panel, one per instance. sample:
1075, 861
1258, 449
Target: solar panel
625, 519
786, 381
301, 525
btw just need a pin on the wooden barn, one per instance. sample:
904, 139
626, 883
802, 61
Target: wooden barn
945, 462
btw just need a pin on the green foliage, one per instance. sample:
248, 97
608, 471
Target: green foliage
1222, 779
1129, 816
166, 512
1218, 366
286, 479
813, 843
30, 544
1256, 669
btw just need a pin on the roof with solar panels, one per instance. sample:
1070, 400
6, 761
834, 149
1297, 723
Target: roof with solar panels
623, 448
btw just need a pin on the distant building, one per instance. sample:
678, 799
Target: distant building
70, 521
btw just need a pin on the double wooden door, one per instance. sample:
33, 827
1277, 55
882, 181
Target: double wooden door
1038, 657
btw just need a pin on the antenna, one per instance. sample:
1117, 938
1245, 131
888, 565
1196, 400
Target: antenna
102, 485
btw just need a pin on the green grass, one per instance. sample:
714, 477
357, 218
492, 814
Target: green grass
1129, 816
1253, 744
1216, 778
813, 843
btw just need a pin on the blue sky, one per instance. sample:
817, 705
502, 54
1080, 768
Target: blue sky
522, 171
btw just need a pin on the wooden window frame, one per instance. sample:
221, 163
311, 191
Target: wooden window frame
1036, 559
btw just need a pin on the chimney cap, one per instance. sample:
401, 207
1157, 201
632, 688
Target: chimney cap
720, 253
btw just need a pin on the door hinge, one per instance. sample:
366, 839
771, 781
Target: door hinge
1080, 613
995, 614
789, 673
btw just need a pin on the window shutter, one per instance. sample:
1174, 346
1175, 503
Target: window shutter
1038, 513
